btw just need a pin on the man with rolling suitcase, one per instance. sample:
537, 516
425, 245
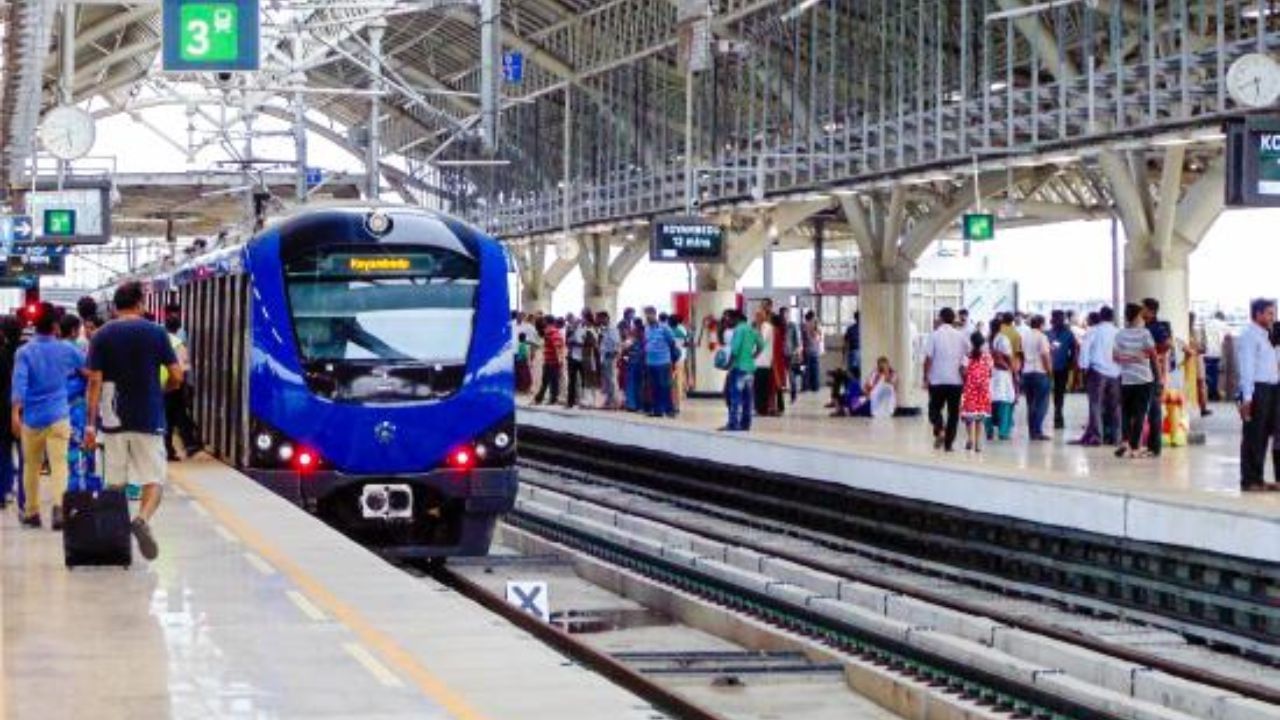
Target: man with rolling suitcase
126, 400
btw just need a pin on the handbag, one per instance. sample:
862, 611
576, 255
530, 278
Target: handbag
722, 360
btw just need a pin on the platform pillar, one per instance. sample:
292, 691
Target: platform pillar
884, 304
538, 281
1161, 234
717, 292
602, 273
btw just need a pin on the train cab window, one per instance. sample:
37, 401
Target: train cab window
383, 323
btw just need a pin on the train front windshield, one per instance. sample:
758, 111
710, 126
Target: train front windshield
384, 305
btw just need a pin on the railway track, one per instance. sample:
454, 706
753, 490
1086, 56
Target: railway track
1218, 600
1241, 678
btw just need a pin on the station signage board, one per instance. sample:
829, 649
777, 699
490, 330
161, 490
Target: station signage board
687, 239
1253, 162
513, 67
210, 35
36, 264
73, 215
838, 276
979, 227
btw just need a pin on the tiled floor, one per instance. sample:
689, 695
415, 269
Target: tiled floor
256, 610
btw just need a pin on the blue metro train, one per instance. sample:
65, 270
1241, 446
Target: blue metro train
358, 361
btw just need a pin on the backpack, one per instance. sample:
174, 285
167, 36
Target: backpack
723, 360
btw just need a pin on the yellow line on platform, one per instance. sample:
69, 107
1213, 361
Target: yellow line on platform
390, 651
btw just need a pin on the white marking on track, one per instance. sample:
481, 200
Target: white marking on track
379, 671
259, 564
306, 606
226, 534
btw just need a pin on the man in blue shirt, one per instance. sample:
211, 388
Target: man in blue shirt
1162, 334
40, 412
125, 394
1062, 346
659, 351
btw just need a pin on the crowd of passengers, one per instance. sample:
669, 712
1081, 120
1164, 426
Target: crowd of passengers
641, 363
73, 381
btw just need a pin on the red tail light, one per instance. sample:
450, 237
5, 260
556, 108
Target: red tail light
306, 460
464, 458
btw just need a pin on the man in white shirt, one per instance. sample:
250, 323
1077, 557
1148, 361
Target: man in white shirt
1102, 381
1215, 331
944, 359
1259, 376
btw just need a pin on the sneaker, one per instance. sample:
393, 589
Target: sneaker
146, 543
55, 523
195, 450
31, 521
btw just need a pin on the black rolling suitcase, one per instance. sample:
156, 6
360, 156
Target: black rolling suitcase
96, 528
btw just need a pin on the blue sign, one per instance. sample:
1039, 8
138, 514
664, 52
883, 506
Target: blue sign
210, 35
39, 251
15, 229
315, 177
513, 67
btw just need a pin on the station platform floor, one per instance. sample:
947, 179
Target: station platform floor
256, 610
1189, 496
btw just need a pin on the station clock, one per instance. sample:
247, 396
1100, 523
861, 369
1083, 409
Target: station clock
1254, 80
67, 132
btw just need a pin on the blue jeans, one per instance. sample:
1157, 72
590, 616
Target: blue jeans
741, 395
635, 386
6, 467
660, 388
1036, 386
812, 382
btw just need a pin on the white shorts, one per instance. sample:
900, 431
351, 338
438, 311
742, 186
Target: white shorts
133, 458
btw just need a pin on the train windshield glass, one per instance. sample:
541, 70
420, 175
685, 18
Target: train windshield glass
412, 305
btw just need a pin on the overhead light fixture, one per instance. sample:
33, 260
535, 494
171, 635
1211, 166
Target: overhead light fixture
798, 10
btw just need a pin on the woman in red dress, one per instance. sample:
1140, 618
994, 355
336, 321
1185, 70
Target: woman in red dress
975, 406
781, 366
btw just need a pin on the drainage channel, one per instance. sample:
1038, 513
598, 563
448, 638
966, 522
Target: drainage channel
642, 637
1217, 599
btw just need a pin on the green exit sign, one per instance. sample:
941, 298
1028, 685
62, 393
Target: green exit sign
979, 226
210, 35
209, 32
59, 223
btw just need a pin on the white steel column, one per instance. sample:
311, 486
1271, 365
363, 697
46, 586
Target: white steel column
373, 163
490, 52
300, 122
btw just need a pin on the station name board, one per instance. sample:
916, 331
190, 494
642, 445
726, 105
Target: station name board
686, 239
1253, 162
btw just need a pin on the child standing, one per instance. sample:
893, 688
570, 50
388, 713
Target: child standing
975, 406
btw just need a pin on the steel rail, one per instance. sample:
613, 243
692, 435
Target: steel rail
1192, 673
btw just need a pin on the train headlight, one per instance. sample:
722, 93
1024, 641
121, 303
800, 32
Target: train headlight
378, 223
286, 452
502, 441
264, 441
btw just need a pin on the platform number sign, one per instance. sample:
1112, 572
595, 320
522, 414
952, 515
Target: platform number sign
979, 226
210, 35
530, 596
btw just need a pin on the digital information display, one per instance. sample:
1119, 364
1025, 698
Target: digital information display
1253, 162
352, 265
71, 216
211, 35
686, 239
